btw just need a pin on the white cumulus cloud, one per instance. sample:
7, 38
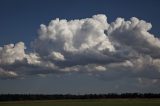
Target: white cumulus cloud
11, 53
123, 48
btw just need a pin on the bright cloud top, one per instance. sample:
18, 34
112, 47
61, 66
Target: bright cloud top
92, 46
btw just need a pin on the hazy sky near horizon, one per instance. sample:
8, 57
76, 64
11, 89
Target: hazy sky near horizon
79, 46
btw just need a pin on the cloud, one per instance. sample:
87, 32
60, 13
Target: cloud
134, 35
100, 68
11, 53
7, 74
73, 36
121, 49
57, 56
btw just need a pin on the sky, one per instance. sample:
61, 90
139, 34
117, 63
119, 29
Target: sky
79, 46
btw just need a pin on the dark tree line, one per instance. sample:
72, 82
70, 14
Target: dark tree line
18, 97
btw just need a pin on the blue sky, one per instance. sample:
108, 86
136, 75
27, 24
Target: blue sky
20, 21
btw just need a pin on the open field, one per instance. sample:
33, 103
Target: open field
96, 102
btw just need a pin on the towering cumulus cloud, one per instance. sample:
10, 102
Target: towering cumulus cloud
121, 49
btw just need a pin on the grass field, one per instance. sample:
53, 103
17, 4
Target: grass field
98, 102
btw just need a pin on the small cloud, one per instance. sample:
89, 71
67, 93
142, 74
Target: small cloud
57, 56
100, 68
4, 74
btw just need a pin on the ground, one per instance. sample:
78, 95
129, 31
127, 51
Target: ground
96, 102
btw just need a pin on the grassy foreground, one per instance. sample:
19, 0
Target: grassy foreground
96, 102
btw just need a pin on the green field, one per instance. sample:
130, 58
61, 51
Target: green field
98, 102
